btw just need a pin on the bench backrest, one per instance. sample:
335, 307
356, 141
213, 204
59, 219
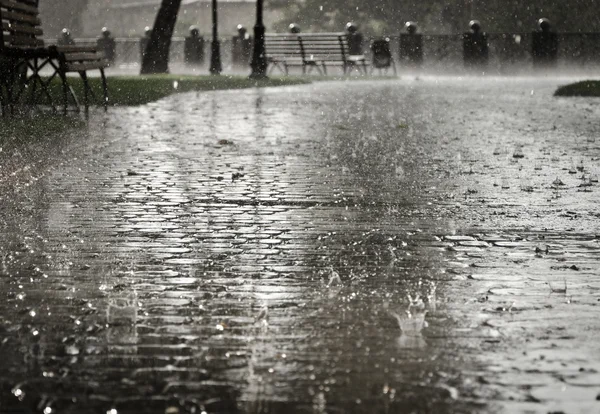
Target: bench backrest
330, 47
21, 25
283, 46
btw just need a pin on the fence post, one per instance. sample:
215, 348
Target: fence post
241, 47
193, 48
544, 45
107, 45
475, 47
411, 46
144, 42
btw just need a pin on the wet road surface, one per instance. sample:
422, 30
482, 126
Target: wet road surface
393, 246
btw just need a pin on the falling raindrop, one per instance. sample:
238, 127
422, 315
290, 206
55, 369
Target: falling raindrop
399, 172
334, 279
518, 152
572, 168
122, 308
18, 392
263, 316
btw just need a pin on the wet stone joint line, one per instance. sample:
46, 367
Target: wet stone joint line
394, 246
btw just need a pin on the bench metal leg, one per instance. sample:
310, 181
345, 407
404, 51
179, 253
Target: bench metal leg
10, 88
4, 102
2, 98
35, 79
278, 65
104, 89
86, 91
33, 87
65, 91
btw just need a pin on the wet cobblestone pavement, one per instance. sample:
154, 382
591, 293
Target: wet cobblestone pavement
377, 247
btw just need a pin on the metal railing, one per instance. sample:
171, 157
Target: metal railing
508, 52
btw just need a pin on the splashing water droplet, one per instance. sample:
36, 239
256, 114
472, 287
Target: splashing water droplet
334, 279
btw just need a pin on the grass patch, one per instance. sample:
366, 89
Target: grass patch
137, 90
584, 88
31, 141
140, 90
17, 129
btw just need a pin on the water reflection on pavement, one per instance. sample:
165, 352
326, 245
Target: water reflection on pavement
331, 248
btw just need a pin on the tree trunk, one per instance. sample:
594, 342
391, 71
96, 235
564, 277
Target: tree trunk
156, 56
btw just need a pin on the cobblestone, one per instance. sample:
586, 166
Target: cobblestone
276, 239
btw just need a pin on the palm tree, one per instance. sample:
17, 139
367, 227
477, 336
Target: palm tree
156, 57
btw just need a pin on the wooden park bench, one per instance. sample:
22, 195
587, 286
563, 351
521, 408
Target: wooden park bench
20, 49
311, 50
23, 55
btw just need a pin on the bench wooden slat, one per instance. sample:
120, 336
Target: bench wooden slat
31, 30
19, 28
22, 18
9, 4
75, 49
73, 57
16, 40
82, 67
323, 47
308, 34
273, 50
287, 58
324, 44
26, 51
